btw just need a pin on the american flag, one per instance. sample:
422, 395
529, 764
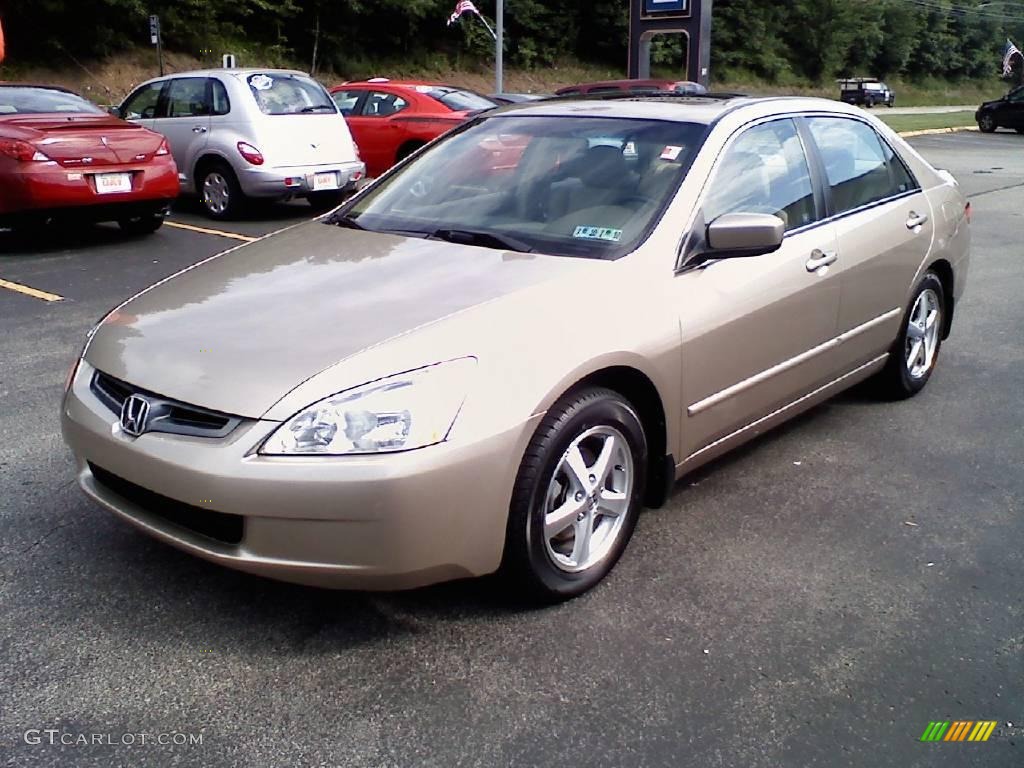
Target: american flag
463, 6
1011, 51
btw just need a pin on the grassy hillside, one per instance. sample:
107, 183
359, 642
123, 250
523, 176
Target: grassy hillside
110, 80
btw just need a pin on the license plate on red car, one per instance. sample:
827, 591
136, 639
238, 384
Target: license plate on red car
107, 183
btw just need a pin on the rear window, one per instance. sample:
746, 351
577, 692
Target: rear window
282, 94
456, 99
21, 101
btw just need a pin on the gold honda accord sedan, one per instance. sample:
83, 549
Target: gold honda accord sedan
495, 355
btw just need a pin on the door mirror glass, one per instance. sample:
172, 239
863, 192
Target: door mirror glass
735, 235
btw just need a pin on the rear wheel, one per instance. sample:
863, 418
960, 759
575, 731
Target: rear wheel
141, 225
986, 123
916, 351
220, 192
407, 150
577, 496
324, 201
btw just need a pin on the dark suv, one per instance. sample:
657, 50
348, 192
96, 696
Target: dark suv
1007, 112
866, 92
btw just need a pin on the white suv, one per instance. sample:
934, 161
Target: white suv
250, 133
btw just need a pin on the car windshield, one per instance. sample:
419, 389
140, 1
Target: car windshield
21, 101
282, 94
568, 186
457, 100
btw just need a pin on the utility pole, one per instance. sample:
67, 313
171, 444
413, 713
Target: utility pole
155, 39
499, 52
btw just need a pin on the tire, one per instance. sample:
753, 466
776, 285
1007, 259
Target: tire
325, 201
555, 564
406, 150
870, 104
220, 193
141, 225
987, 124
900, 379
891, 103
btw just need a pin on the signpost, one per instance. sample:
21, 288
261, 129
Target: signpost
154, 39
691, 18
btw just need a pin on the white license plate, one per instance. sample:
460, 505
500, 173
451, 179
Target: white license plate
107, 183
328, 180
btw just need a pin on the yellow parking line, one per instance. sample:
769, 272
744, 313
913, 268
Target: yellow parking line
217, 232
34, 292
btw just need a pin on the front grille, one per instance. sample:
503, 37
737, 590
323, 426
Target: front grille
219, 526
169, 416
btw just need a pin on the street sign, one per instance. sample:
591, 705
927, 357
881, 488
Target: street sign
666, 8
154, 29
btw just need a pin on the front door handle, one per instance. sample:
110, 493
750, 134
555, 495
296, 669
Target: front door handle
821, 259
915, 220
199, 129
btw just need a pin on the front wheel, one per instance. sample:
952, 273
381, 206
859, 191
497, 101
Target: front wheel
577, 496
915, 353
986, 124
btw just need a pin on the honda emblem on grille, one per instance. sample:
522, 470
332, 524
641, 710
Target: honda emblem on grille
134, 415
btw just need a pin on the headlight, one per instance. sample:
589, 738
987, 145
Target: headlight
399, 413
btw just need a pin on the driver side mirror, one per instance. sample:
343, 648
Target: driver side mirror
739, 235
114, 110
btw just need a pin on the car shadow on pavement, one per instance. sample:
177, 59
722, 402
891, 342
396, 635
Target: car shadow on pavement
255, 210
56, 238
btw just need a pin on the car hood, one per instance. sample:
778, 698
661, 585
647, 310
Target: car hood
990, 104
239, 331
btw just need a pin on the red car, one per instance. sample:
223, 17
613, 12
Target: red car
391, 119
63, 157
632, 86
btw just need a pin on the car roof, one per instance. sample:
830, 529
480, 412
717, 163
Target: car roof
402, 83
237, 72
683, 108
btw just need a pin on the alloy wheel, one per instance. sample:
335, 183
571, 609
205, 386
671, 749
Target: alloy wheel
216, 193
923, 334
587, 499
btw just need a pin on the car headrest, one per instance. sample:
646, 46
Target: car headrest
603, 166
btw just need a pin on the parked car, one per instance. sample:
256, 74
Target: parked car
391, 119
61, 156
516, 98
1007, 112
866, 92
632, 86
250, 133
498, 371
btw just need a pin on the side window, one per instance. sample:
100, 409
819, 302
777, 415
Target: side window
187, 98
142, 104
380, 104
855, 162
1017, 97
764, 171
346, 101
902, 179
221, 104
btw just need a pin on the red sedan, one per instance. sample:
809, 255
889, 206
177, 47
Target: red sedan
391, 119
63, 157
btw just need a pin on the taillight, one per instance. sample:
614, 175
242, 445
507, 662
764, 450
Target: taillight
967, 212
250, 153
164, 149
21, 151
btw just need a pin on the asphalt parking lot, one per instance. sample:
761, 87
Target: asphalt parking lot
815, 599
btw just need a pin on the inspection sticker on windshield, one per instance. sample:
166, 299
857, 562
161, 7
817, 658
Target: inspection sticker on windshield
598, 233
671, 153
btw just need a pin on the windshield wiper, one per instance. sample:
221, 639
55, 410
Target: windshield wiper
316, 107
485, 239
346, 221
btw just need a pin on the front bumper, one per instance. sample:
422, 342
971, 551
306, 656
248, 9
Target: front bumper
268, 181
365, 522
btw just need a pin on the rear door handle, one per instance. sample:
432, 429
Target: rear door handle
199, 129
915, 220
821, 259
